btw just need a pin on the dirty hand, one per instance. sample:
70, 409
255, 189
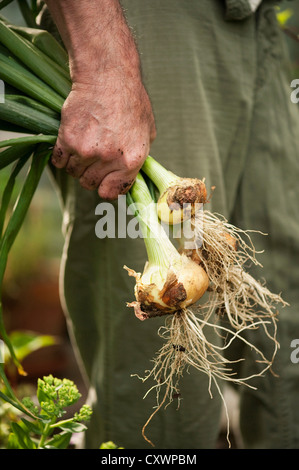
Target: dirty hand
106, 130
107, 123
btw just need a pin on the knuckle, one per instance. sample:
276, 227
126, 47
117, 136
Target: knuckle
107, 193
106, 156
133, 163
74, 166
66, 135
88, 184
74, 170
59, 155
86, 151
89, 181
70, 170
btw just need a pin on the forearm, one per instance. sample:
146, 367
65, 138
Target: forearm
107, 123
96, 36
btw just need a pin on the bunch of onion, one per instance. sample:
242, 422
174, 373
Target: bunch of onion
222, 249
171, 284
170, 281
178, 197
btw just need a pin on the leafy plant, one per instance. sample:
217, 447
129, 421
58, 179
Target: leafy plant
109, 445
38, 423
24, 343
42, 99
46, 429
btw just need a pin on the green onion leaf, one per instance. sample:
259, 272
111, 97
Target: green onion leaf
39, 161
16, 112
45, 43
9, 187
35, 60
14, 73
27, 13
14, 152
28, 140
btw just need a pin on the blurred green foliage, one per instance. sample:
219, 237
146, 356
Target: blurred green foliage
37, 248
288, 17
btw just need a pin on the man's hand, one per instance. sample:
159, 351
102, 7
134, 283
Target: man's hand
107, 123
105, 134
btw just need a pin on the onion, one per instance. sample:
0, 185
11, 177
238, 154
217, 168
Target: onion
170, 290
179, 198
170, 281
174, 280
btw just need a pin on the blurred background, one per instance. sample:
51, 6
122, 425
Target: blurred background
30, 295
31, 288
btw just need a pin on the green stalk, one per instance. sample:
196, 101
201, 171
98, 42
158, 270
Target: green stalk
140, 192
61, 423
10, 396
36, 7
14, 73
45, 43
44, 435
39, 161
9, 187
27, 140
33, 104
9, 127
151, 186
13, 153
27, 13
16, 112
63, 71
44, 67
160, 176
158, 246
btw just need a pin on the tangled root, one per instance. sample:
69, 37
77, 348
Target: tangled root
186, 345
226, 252
234, 295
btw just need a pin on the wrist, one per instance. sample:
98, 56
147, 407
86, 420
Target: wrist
110, 78
93, 63
96, 36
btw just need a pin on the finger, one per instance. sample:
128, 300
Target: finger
59, 156
95, 173
77, 164
75, 167
116, 183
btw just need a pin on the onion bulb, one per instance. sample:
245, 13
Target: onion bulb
170, 281
160, 292
179, 198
